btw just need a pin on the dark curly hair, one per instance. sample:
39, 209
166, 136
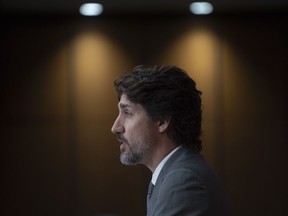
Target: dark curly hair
167, 91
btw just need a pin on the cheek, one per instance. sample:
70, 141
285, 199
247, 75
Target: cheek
146, 134
140, 131
131, 131
135, 134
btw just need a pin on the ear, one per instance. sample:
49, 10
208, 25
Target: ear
163, 124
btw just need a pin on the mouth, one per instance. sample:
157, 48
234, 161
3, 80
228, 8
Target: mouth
122, 142
122, 147
121, 139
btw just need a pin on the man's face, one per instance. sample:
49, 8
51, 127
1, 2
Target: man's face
135, 131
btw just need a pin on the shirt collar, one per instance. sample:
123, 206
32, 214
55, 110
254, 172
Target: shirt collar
161, 165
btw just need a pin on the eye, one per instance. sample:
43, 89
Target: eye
127, 113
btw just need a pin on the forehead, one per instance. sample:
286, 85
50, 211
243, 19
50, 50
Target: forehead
125, 102
124, 99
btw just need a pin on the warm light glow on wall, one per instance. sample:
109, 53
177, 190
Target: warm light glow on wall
96, 61
194, 51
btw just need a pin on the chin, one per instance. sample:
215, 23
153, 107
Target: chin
126, 160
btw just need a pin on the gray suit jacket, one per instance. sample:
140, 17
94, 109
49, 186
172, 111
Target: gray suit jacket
186, 186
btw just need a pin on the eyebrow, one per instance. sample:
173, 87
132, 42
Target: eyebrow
123, 106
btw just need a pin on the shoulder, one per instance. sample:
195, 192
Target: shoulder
187, 169
185, 161
181, 191
186, 184
183, 180
182, 175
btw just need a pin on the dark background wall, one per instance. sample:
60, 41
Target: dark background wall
58, 156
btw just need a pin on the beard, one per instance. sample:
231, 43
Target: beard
133, 153
131, 157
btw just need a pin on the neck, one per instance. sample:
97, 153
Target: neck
158, 154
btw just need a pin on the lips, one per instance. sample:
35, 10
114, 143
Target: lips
121, 139
122, 147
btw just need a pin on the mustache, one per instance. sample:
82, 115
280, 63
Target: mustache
121, 138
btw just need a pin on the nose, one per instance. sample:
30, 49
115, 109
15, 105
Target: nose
117, 126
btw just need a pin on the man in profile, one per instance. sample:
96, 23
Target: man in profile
159, 126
